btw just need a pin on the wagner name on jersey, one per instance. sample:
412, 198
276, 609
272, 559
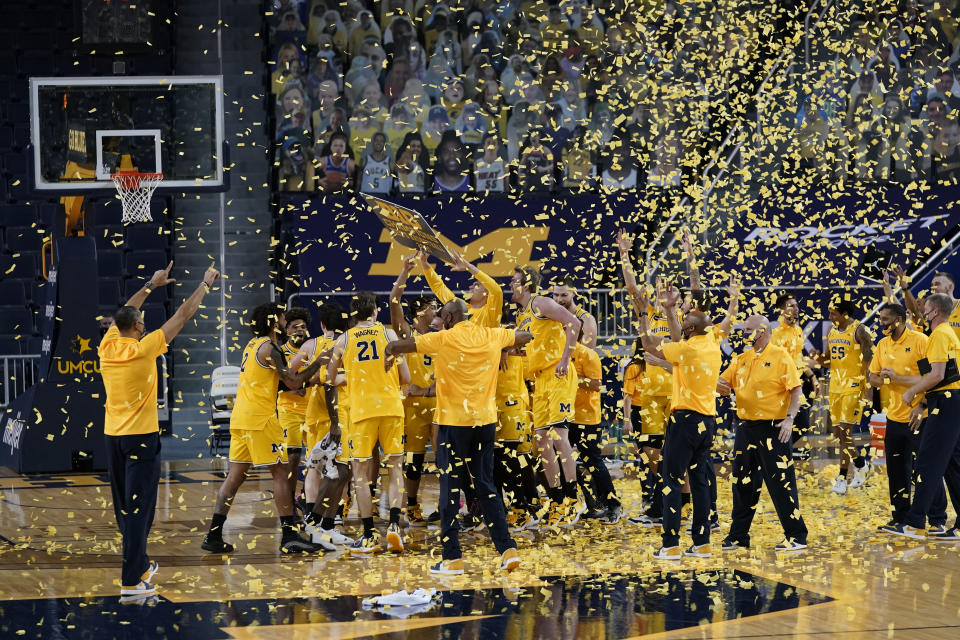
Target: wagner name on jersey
373, 392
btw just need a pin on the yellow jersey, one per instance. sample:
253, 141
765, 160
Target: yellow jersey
696, 367
586, 406
289, 400
762, 383
549, 339
511, 385
421, 366
954, 319
943, 345
657, 381
467, 363
789, 337
129, 370
489, 314
633, 383
257, 388
316, 412
901, 356
374, 393
846, 360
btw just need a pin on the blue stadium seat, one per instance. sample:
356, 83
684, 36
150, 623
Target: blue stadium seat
142, 264
16, 321
109, 292
23, 266
146, 237
110, 264
15, 164
18, 215
108, 238
132, 285
154, 315
13, 292
38, 292
6, 137
34, 346
9, 346
47, 214
107, 212
23, 240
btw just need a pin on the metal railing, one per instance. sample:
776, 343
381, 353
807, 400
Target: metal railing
19, 372
806, 27
611, 307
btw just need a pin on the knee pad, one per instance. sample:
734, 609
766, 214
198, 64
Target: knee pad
413, 469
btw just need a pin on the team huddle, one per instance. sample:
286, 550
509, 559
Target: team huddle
511, 405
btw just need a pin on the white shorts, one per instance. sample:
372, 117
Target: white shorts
324, 457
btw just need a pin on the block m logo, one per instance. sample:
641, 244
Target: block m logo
510, 246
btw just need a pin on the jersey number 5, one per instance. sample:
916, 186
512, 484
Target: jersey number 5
367, 351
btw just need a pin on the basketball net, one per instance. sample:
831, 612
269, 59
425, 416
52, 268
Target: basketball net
136, 189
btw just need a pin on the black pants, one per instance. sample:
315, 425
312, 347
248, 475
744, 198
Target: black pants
938, 456
587, 439
134, 466
901, 444
470, 447
687, 447
760, 458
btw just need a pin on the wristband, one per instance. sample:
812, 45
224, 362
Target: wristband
644, 314
206, 285
146, 285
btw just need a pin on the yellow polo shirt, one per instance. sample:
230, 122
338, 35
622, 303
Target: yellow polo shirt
696, 367
762, 383
466, 360
901, 356
129, 370
944, 345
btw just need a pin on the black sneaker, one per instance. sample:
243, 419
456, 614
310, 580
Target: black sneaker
469, 522
891, 523
215, 545
732, 545
296, 544
613, 515
301, 504
434, 517
593, 514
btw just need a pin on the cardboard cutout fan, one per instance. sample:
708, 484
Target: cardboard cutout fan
409, 228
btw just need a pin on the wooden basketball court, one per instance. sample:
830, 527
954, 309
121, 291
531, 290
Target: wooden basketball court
59, 572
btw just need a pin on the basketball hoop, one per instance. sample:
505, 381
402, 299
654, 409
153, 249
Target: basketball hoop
136, 189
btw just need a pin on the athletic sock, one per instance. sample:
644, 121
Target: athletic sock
411, 501
394, 515
310, 507
843, 471
327, 523
367, 525
684, 498
340, 510
570, 489
288, 527
216, 526
555, 494
858, 462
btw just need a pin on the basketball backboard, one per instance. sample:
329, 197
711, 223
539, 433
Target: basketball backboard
82, 128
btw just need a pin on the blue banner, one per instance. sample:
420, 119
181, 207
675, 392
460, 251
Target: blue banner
818, 240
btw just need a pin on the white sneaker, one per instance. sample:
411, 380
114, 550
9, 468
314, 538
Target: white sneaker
840, 486
860, 476
331, 537
139, 590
